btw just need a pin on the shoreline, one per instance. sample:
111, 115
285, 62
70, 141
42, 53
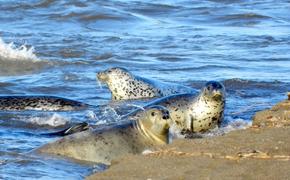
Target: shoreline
261, 151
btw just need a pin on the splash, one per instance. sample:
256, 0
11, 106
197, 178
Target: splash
54, 120
12, 52
108, 115
91, 115
137, 106
100, 84
234, 124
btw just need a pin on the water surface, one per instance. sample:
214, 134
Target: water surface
58, 46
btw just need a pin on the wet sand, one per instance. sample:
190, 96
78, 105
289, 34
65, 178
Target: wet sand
259, 152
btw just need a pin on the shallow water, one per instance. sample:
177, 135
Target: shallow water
58, 46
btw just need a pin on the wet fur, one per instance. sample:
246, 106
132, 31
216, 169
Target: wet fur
44, 103
125, 86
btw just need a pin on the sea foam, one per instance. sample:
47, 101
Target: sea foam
54, 120
11, 52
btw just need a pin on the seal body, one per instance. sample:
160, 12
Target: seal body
191, 113
125, 85
44, 103
150, 128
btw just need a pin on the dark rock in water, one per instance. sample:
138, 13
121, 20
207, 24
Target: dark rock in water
70, 130
278, 115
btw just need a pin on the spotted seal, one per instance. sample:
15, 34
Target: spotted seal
124, 85
142, 129
43, 103
191, 113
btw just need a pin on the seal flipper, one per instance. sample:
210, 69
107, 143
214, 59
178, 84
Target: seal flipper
71, 130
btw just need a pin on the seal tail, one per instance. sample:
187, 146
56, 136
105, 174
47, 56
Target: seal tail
70, 130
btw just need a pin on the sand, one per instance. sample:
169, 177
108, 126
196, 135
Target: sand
259, 152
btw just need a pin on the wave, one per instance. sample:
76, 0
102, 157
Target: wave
246, 84
244, 88
205, 67
55, 120
12, 52
245, 16
16, 60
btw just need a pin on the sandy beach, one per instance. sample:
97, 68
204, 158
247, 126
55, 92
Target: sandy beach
259, 152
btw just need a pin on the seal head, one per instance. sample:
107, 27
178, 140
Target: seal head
153, 124
214, 91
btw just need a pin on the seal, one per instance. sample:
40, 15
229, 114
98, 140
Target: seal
43, 103
124, 85
191, 113
141, 130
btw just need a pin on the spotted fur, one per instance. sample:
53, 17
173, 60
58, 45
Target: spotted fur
44, 103
125, 85
196, 113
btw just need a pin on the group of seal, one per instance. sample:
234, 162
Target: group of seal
189, 112
178, 106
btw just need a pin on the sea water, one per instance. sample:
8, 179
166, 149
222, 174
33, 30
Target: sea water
55, 48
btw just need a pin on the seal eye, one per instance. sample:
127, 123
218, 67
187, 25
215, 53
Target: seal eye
153, 114
208, 88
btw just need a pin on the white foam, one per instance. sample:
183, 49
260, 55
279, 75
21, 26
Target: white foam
147, 151
234, 124
54, 120
108, 115
112, 113
100, 84
91, 115
174, 133
13, 53
137, 106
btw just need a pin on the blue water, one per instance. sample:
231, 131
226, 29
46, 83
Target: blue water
58, 46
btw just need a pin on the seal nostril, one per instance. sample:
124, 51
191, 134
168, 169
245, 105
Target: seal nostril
165, 117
